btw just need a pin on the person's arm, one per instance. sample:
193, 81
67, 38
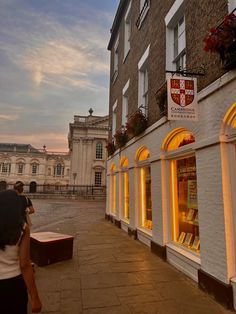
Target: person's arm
27, 271
31, 209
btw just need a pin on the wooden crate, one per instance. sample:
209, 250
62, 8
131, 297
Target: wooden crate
50, 247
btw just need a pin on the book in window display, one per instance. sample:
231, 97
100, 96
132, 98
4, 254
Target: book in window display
192, 194
196, 244
196, 219
190, 215
188, 239
182, 237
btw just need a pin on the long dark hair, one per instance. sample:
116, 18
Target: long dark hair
11, 221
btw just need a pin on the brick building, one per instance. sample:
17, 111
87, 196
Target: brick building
170, 180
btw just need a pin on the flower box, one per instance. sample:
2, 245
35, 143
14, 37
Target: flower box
121, 137
222, 40
137, 123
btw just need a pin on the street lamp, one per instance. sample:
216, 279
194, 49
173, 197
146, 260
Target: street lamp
74, 177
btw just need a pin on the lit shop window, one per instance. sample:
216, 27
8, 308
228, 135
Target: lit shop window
125, 186
184, 192
181, 138
113, 189
185, 207
145, 188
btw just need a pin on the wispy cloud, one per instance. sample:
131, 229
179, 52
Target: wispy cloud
8, 117
53, 64
68, 55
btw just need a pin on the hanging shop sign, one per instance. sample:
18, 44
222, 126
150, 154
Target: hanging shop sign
182, 98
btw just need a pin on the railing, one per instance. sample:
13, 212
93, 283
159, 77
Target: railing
66, 190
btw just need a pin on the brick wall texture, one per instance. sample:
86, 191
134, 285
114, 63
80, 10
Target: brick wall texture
200, 16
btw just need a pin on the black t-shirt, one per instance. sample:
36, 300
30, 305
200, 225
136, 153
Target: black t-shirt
25, 202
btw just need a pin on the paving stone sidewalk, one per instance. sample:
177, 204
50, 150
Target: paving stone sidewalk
111, 273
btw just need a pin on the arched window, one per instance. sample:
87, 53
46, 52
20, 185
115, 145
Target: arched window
33, 187
3, 185
178, 138
125, 186
20, 167
59, 170
142, 157
99, 150
5, 167
34, 168
183, 180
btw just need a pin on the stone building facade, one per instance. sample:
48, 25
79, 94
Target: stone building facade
87, 143
171, 182
34, 167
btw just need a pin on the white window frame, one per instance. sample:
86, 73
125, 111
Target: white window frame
127, 31
115, 60
99, 150
125, 103
114, 118
59, 170
172, 18
21, 167
34, 168
143, 82
231, 5
5, 167
143, 11
98, 178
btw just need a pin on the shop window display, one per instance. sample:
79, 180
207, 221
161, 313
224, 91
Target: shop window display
185, 213
125, 179
126, 194
146, 197
113, 189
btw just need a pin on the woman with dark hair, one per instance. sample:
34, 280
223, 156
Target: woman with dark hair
16, 273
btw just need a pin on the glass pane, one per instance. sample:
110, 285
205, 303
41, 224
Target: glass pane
147, 199
182, 43
126, 195
186, 229
181, 139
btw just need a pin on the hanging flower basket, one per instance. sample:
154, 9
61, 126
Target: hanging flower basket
222, 40
137, 123
110, 148
121, 137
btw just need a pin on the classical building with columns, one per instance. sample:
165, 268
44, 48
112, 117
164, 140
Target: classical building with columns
87, 143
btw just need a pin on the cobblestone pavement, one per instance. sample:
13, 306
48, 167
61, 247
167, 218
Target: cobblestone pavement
110, 273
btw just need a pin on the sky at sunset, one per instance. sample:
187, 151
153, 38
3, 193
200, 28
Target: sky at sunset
54, 64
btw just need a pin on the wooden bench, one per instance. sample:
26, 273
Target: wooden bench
50, 247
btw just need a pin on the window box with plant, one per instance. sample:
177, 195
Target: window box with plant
121, 137
136, 124
222, 40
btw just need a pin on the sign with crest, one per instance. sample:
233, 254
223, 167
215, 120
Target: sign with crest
182, 98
